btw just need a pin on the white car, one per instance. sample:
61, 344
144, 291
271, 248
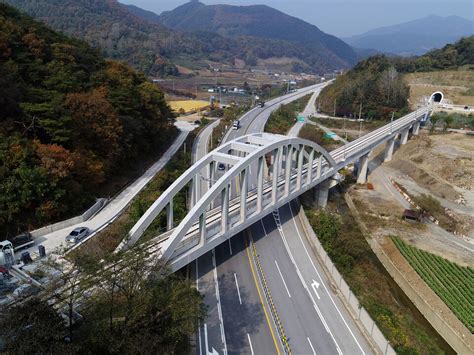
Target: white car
77, 234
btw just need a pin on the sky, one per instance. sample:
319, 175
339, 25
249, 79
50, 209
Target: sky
341, 17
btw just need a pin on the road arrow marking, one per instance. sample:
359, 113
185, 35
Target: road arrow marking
315, 286
213, 352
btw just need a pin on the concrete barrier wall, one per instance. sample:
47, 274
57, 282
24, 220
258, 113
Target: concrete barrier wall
339, 285
96, 207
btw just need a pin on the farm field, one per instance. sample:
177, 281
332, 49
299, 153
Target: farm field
451, 282
188, 105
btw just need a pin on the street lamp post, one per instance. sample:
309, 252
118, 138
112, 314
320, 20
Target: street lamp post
391, 123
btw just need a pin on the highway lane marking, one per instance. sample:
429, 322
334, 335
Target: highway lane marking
206, 342
261, 298
315, 286
312, 348
320, 278
237, 285
305, 285
219, 309
282, 279
250, 342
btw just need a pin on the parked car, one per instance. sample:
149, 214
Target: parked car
77, 234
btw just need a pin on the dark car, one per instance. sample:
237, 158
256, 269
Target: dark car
221, 167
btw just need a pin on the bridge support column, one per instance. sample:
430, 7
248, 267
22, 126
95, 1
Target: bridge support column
169, 216
276, 173
389, 150
211, 173
362, 170
404, 137
320, 166
416, 128
322, 194
202, 229
288, 159
261, 162
225, 209
301, 152
310, 166
243, 194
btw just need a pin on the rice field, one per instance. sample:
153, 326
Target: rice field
452, 283
188, 105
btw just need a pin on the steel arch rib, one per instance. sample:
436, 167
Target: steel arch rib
272, 142
180, 231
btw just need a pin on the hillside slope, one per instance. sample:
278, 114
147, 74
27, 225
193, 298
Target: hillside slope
108, 25
256, 21
70, 120
134, 35
414, 37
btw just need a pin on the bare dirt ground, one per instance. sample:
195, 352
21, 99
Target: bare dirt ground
383, 206
457, 85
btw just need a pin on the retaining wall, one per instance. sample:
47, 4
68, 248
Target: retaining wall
96, 207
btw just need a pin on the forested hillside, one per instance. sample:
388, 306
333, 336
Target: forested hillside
377, 82
69, 121
374, 83
135, 36
260, 21
451, 56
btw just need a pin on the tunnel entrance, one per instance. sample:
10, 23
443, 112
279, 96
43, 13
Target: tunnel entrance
436, 97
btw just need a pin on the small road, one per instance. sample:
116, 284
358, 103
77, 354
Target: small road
56, 239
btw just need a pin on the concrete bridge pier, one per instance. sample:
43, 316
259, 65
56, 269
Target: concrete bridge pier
322, 193
389, 150
404, 137
362, 170
416, 128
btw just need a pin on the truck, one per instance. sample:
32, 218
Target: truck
261, 104
236, 124
23, 240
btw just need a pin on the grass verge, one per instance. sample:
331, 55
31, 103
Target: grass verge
284, 117
395, 315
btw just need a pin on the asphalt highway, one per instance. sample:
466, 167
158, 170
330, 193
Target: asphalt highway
240, 320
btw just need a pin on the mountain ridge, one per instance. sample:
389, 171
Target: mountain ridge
255, 20
135, 36
414, 37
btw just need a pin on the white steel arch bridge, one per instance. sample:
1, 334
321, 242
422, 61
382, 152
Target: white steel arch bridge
252, 176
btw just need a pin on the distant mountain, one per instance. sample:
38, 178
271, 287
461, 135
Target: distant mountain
257, 21
415, 37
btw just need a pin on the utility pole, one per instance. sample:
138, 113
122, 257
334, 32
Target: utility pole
360, 120
335, 107
345, 132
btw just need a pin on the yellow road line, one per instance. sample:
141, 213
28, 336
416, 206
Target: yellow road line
261, 298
